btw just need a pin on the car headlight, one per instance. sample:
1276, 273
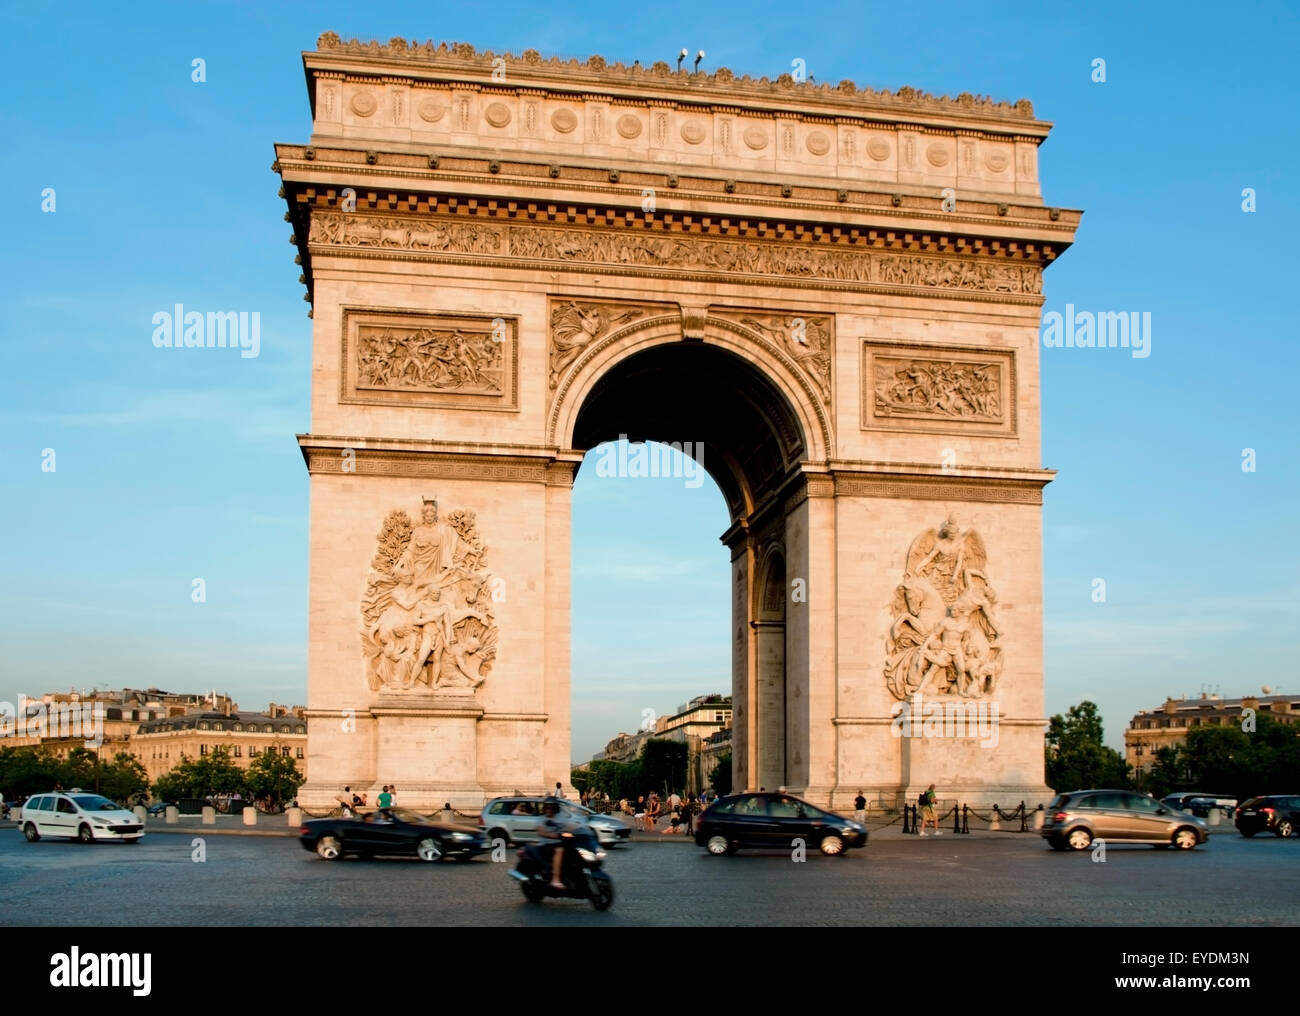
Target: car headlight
99, 821
462, 836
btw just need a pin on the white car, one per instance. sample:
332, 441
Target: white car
78, 815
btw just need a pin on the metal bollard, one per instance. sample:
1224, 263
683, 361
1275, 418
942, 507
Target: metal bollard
965, 819
956, 820
1024, 818
907, 812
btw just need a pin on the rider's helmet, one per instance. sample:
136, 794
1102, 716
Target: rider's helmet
551, 805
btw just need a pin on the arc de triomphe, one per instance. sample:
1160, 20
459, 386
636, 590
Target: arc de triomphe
511, 259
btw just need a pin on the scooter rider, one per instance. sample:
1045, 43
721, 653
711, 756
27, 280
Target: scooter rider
552, 827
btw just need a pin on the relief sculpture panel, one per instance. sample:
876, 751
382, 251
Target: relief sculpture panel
403, 358
953, 390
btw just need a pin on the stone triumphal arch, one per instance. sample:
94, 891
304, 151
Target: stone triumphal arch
836, 291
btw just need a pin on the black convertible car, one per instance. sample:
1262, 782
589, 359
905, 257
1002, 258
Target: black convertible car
391, 832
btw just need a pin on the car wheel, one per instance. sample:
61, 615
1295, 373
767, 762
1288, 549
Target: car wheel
429, 849
85, 834
832, 845
718, 845
329, 848
1185, 838
1079, 839
1284, 828
31, 832
499, 834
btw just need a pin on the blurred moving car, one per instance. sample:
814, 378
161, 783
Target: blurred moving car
514, 819
1201, 804
1075, 819
1278, 814
391, 832
80, 816
774, 820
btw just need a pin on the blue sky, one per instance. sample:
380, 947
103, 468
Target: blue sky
172, 466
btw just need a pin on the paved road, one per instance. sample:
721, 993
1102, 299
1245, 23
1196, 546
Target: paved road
952, 880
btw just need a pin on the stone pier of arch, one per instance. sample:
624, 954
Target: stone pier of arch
504, 272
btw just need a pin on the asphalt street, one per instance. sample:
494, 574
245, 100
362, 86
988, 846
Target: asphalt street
980, 879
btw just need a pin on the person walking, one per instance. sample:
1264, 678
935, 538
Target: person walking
860, 808
927, 811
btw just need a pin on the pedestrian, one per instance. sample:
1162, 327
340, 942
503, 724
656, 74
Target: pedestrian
638, 813
392, 794
688, 814
559, 790
674, 801
927, 800
860, 808
385, 798
653, 808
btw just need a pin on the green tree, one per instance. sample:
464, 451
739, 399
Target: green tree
124, 779
80, 769
26, 771
1076, 758
720, 778
206, 776
663, 765
273, 778
1168, 774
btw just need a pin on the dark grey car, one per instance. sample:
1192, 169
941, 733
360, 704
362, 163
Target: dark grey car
1074, 820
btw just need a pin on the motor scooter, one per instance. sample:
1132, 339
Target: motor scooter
580, 870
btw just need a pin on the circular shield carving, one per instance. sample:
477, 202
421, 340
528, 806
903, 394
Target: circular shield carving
693, 132
756, 138
997, 161
937, 155
564, 120
628, 126
497, 114
818, 143
431, 111
878, 149
364, 104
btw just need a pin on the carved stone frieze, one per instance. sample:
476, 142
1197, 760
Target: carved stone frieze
685, 254
426, 612
412, 359
808, 339
575, 324
945, 638
941, 389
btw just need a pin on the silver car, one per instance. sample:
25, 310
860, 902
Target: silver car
1072, 821
514, 819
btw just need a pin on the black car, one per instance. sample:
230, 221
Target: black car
774, 820
391, 832
1278, 814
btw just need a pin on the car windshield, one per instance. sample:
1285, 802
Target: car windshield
93, 802
403, 815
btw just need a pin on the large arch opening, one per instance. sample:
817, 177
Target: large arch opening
720, 414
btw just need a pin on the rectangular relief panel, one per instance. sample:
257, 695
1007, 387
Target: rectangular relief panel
417, 359
928, 389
